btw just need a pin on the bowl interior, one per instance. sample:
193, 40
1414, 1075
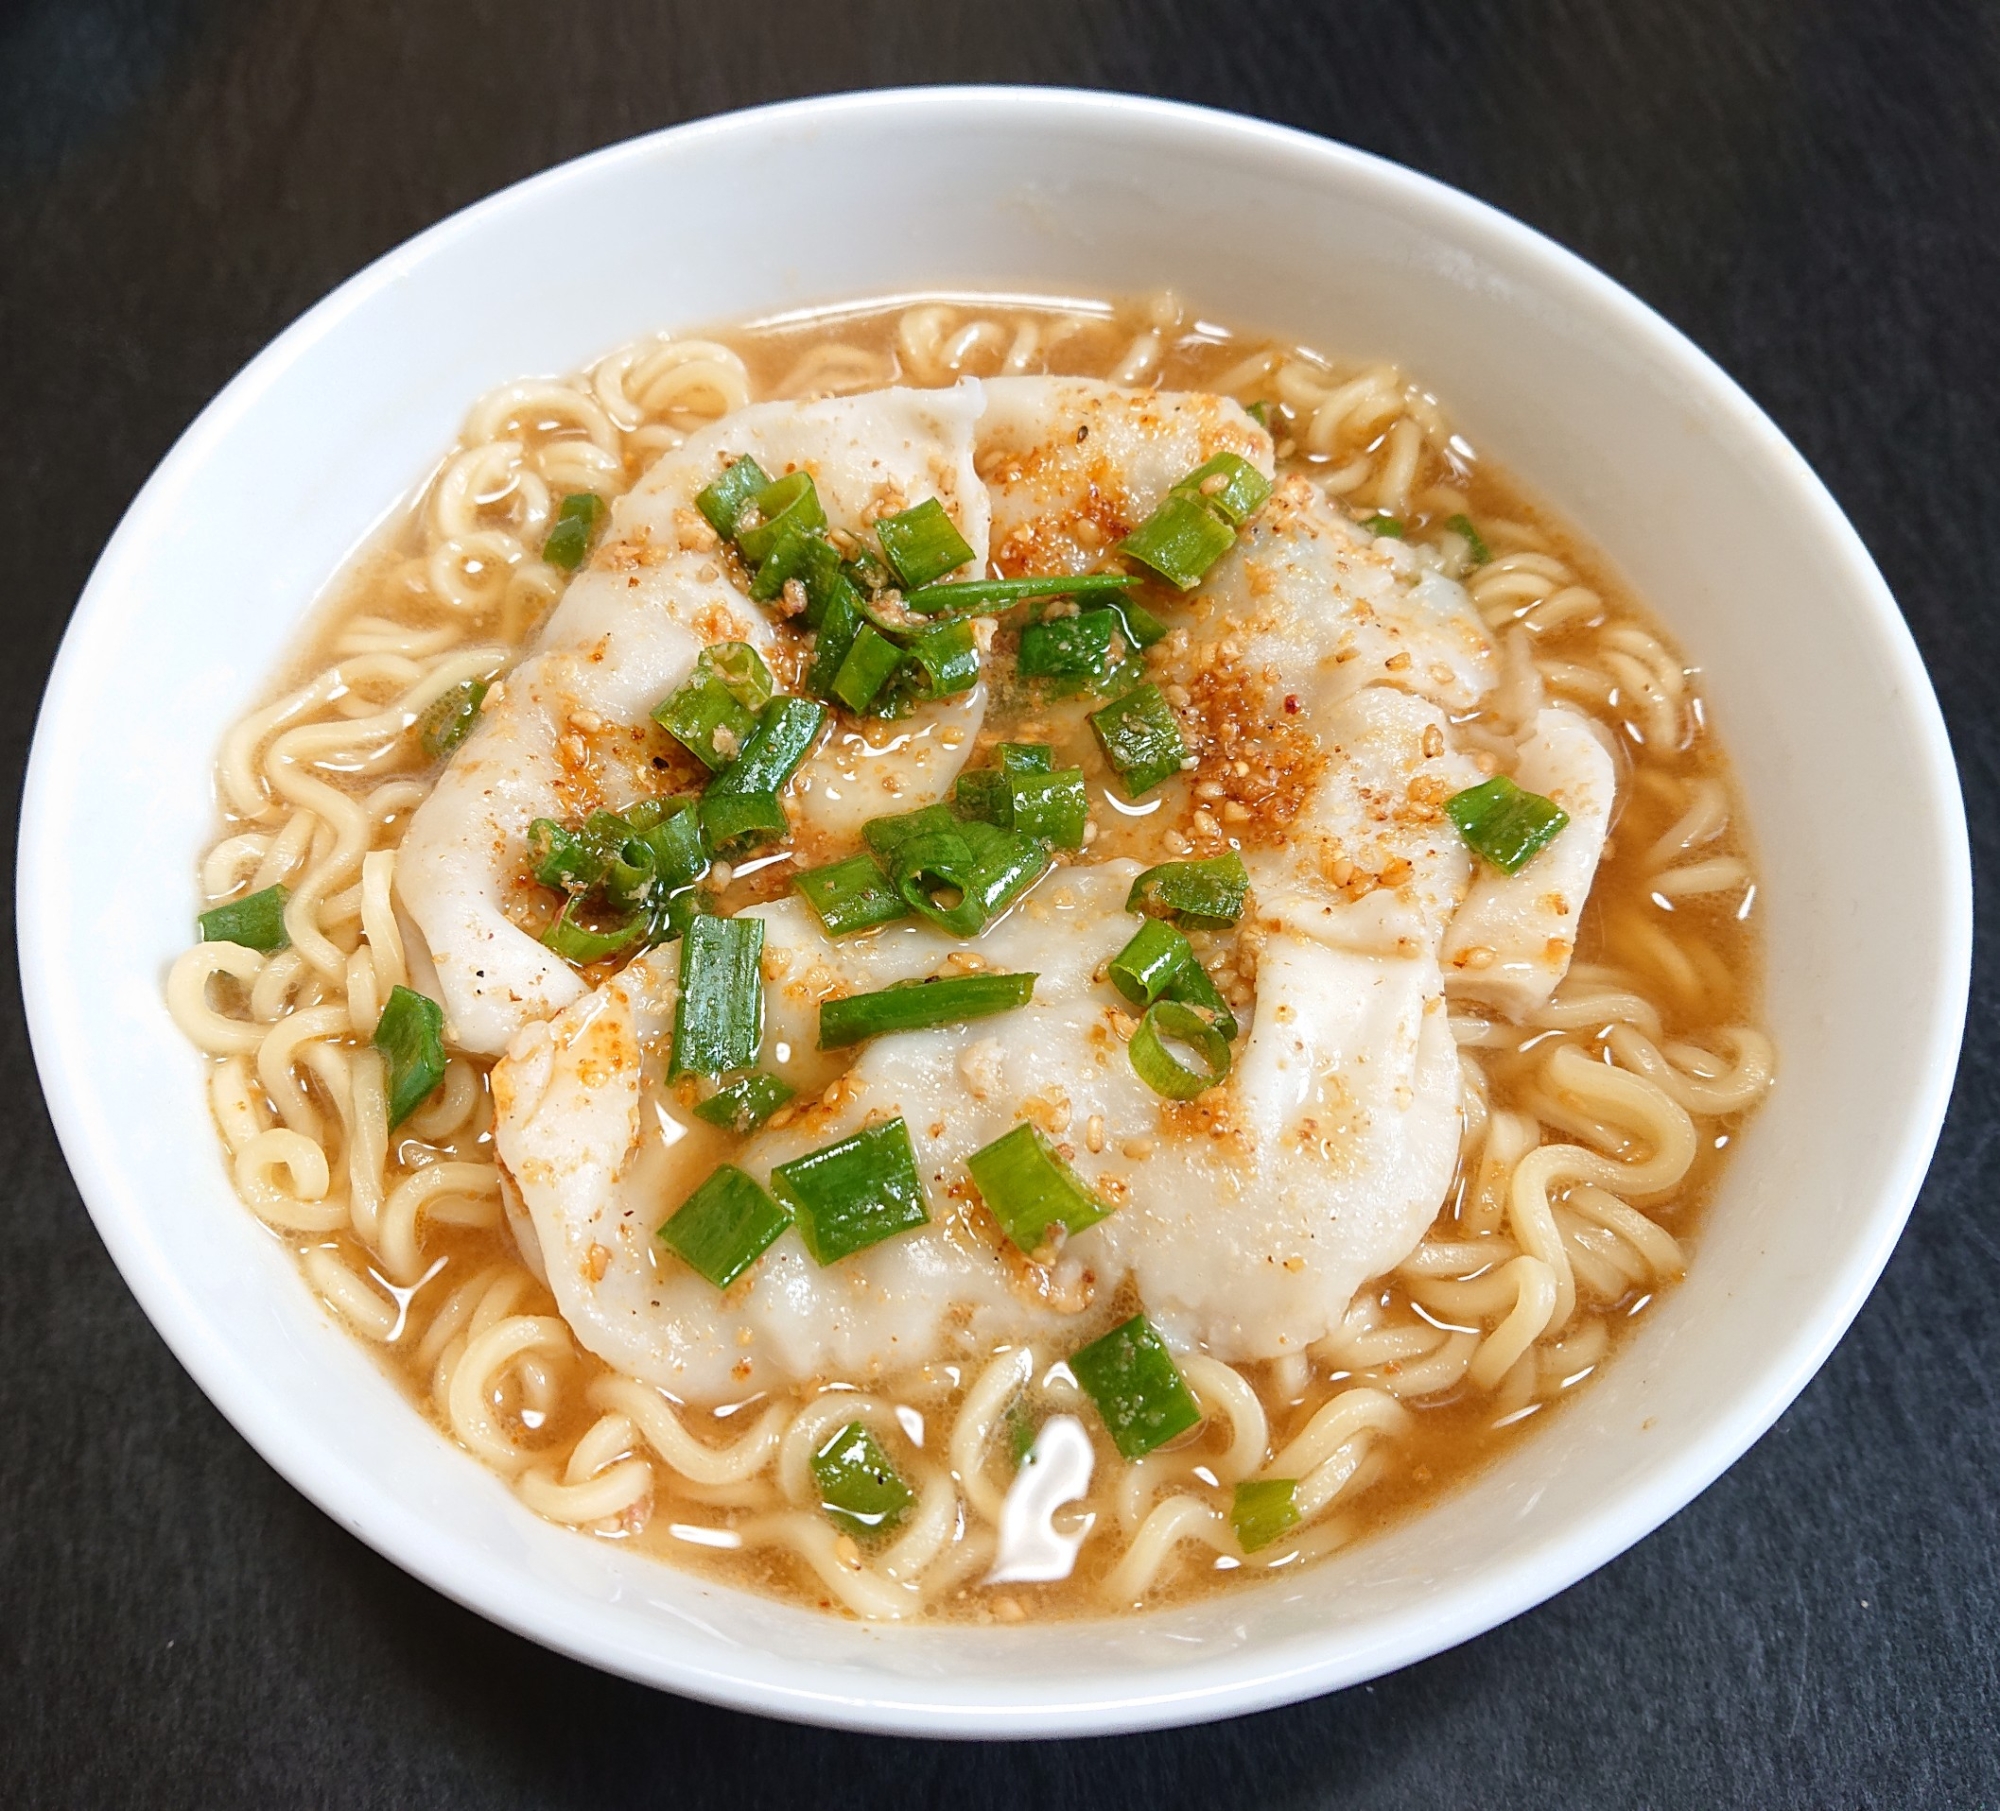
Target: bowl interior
1546, 366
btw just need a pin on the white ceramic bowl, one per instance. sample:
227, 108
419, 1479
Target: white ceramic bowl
1548, 366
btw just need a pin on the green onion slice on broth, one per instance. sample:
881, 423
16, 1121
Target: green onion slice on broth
1262, 1510
1072, 647
724, 501
1138, 1389
919, 1005
1141, 739
786, 506
739, 807
985, 597
450, 718
743, 1105
855, 1193
1230, 485
1153, 1056
725, 1226
1029, 1189
576, 526
719, 1017
1144, 968
575, 941
410, 1034
851, 895
867, 666
1208, 892
961, 879
922, 544
257, 921
1506, 824
1475, 543
859, 1486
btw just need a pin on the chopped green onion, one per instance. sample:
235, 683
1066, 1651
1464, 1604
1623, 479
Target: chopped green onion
1194, 987
450, 718
725, 1226
1201, 893
1230, 485
871, 658
947, 658
987, 794
795, 552
985, 597
745, 1104
576, 523
1029, 1189
1140, 627
868, 570
1141, 739
739, 807
706, 719
724, 501
1160, 1069
851, 895
563, 859
858, 1485
672, 839
257, 921
1070, 647
825, 582
886, 835
1138, 1389
1259, 412
922, 544
1052, 806
737, 665
1505, 823
719, 1017
1263, 1509
578, 943
1144, 967
853, 1194
1475, 543
834, 636
410, 1033
986, 868
672, 913
788, 506
919, 1005
1022, 1431
1388, 527
1180, 540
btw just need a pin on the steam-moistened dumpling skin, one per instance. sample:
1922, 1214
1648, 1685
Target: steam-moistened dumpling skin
601, 1154
1335, 608
1245, 1219
1317, 1165
1371, 861
565, 735
567, 732
1512, 940
1075, 464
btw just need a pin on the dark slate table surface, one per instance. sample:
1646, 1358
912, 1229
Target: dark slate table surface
1811, 191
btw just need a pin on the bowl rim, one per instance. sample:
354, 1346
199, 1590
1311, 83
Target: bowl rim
1225, 1685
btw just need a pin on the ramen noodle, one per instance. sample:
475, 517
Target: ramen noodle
978, 960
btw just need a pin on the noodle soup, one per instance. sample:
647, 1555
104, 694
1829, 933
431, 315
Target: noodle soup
945, 1098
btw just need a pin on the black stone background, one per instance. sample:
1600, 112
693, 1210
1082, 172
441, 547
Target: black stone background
1808, 190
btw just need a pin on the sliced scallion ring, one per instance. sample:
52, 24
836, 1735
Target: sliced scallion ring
1156, 1064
